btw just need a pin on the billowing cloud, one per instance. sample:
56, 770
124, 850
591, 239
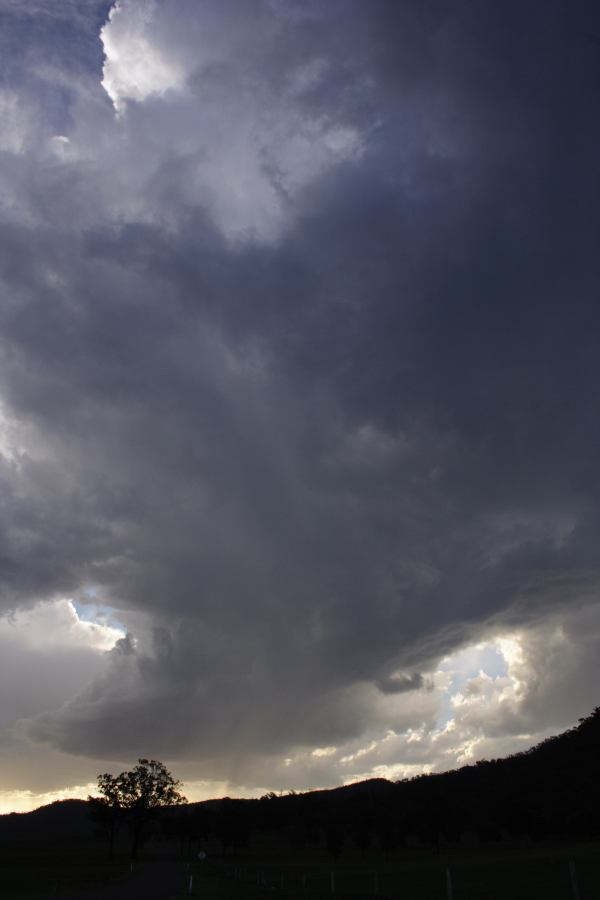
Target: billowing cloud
236, 124
136, 66
298, 376
48, 653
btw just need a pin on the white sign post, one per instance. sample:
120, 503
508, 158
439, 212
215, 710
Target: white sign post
574, 884
449, 883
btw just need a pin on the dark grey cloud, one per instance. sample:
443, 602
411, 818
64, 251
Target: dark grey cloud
399, 684
298, 354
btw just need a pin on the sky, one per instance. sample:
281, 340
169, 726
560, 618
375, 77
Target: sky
299, 388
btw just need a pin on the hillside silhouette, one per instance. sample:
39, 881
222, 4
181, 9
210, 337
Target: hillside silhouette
61, 820
549, 791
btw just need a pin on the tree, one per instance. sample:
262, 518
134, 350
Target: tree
136, 797
362, 836
334, 837
106, 810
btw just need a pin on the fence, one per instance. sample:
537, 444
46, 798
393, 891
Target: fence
551, 878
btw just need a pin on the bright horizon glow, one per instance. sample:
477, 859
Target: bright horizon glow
490, 660
194, 791
27, 801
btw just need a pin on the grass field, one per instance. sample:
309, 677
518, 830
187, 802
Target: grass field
270, 869
42, 869
540, 873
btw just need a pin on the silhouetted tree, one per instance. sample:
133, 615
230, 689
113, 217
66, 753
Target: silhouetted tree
136, 796
334, 838
363, 836
106, 810
232, 825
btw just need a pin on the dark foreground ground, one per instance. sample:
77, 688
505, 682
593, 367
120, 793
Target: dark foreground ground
47, 870
80, 871
150, 880
497, 873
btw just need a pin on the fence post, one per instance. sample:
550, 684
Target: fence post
574, 884
332, 882
449, 883
375, 883
190, 885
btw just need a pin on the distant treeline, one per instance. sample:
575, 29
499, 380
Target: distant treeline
550, 791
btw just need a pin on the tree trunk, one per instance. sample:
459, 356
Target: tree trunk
136, 841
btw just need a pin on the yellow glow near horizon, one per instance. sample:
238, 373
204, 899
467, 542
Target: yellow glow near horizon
26, 801
194, 791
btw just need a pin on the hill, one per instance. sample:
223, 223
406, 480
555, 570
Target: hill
61, 820
552, 790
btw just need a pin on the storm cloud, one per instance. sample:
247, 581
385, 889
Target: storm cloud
298, 366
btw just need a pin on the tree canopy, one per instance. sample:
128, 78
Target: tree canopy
135, 796
146, 786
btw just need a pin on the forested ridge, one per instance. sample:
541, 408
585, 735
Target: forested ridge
549, 791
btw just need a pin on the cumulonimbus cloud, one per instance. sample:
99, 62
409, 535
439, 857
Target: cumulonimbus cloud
297, 363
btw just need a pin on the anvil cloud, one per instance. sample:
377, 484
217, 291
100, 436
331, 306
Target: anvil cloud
299, 384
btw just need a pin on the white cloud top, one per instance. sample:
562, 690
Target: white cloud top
247, 142
135, 66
